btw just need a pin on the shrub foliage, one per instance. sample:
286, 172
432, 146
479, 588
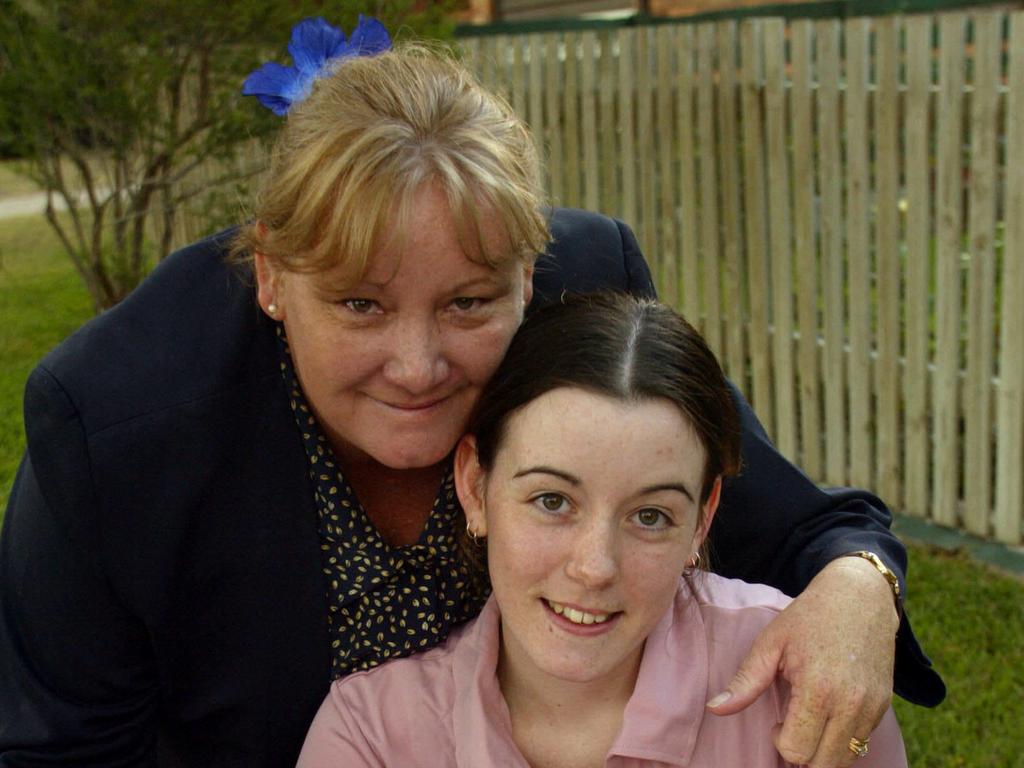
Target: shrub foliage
122, 107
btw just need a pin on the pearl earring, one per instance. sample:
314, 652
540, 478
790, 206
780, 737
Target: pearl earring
272, 308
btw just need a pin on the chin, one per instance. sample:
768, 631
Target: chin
419, 459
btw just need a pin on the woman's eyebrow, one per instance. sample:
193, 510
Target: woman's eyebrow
668, 487
483, 282
545, 470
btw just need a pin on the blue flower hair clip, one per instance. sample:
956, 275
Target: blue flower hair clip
313, 46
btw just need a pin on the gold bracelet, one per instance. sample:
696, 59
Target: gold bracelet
887, 574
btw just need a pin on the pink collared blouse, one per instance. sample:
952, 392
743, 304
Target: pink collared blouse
444, 707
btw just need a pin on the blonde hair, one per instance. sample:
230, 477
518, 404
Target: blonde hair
352, 156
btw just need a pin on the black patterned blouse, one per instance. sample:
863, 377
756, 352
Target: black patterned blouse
383, 602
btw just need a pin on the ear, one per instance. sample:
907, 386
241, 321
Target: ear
269, 282
527, 284
469, 484
710, 507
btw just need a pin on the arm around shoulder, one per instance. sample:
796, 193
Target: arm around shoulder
776, 526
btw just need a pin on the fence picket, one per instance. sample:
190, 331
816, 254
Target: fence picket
645, 134
668, 279
553, 118
830, 226
755, 229
627, 131
518, 80
711, 324
858, 254
688, 242
916, 375
780, 237
570, 101
606, 93
887, 267
981, 277
588, 87
1010, 445
948, 203
535, 92
806, 248
733, 280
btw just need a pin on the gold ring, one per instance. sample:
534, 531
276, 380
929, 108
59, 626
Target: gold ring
859, 747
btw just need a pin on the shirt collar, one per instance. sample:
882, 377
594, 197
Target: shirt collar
665, 712
480, 717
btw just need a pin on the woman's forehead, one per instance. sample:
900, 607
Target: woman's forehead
425, 222
578, 425
440, 266
469, 221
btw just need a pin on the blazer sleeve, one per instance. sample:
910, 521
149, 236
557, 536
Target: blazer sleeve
77, 684
774, 526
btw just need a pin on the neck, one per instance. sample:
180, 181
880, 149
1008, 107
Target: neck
397, 501
544, 696
368, 469
564, 722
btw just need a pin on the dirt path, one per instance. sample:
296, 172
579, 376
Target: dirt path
24, 205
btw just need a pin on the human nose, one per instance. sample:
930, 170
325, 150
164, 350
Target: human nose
416, 361
594, 558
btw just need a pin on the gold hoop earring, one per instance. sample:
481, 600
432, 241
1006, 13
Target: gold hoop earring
478, 541
694, 562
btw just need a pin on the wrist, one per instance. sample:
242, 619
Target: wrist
891, 580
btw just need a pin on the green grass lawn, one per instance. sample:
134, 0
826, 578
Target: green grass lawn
969, 619
12, 183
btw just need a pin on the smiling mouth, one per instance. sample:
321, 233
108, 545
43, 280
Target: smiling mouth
577, 616
414, 407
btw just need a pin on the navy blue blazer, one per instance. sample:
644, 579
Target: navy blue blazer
161, 599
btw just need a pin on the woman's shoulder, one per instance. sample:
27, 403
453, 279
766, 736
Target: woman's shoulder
732, 615
421, 681
589, 252
398, 713
188, 331
718, 593
722, 615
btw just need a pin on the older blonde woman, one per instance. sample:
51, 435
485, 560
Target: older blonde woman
238, 482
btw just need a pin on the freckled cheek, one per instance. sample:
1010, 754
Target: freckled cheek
506, 548
479, 353
654, 575
344, 364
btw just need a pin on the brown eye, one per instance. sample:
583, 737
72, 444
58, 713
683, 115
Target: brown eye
551, 502
361, 306
650, 517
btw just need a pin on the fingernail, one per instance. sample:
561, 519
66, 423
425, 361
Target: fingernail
720, 699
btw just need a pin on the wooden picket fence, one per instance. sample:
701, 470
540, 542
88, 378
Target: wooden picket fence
839, 205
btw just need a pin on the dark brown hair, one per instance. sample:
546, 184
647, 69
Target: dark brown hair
625, 348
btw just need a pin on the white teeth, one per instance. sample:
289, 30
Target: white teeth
577, 617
